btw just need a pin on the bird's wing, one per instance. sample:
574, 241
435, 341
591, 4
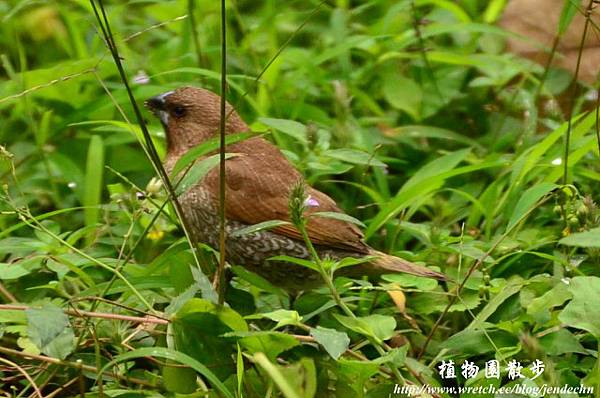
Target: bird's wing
258, 185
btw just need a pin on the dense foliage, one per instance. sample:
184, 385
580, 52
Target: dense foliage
451, 151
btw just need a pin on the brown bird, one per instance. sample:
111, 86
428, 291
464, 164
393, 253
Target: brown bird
258, 184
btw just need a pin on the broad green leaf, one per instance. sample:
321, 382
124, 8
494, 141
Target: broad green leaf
435, 167
379, 326
93, 181
561, 342
337, 216
173, 355
289, 127
271, 343
511, 288
528, 201
589, 238
396, 356
265, 225
583, 312
12, 271
404, 94
49, 329
352, 377
178, 379
199, 325
539, 308
198, 171
302, 375
282, 317
407, 280
334, 342
256, 280
275, 374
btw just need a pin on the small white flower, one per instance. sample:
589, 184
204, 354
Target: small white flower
141, 78
72, 185
557, 161
591, 95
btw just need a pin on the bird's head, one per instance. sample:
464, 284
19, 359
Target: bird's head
191, 115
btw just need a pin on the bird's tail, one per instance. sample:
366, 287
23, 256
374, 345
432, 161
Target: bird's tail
387, 263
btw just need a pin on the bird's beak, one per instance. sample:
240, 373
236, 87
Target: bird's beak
157, 106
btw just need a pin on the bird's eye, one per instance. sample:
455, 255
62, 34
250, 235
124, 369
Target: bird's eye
178, 111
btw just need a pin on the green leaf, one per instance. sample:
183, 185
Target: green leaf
271, 343
589, 238
198, 328
528, 201
354, 156
302, 375
583, 312
49, 329
179, 379
282, 317
407, 280
561, 342
539, 308
275, 374
256, 280
206, 147
289, 127
566, 16
352, 376
12, 271
334, 342
511, 288
337, 216
93, 181
265, 225
379, 326
404, 94
173, 355
198, 171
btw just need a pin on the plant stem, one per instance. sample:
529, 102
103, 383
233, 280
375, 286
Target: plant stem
219, 280
379, 346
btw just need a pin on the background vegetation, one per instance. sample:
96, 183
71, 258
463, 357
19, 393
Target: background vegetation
410, 114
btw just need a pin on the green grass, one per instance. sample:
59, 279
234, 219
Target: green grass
450, 150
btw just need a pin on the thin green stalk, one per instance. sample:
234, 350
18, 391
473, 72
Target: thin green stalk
194, 32
152, 153
588, 12
219, 280
379, 345
326, 278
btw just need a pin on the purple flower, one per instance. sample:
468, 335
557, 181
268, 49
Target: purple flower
311, 202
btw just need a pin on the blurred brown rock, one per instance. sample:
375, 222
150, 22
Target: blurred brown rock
538, 20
